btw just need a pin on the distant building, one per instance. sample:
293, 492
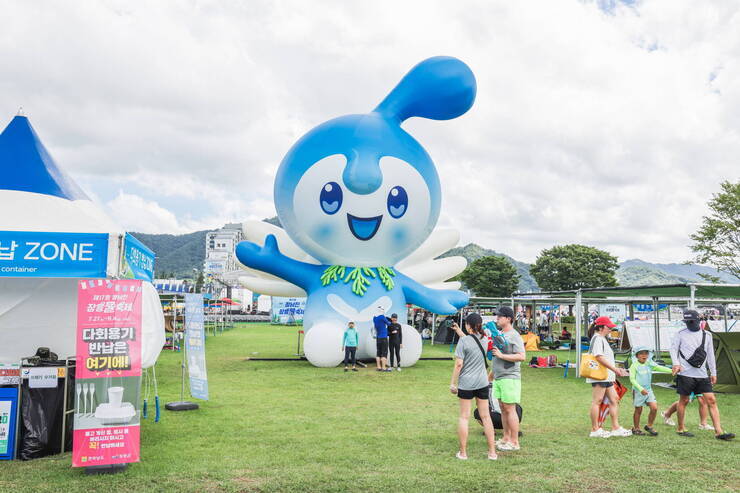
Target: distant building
220, 245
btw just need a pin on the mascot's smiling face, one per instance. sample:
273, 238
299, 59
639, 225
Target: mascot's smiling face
369, 198
359, 190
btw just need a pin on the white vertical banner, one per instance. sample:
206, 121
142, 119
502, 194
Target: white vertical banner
195, 345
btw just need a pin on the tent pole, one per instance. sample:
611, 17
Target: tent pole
434, 325
579, 331
656, 322
692, 299
725, 312
534, 317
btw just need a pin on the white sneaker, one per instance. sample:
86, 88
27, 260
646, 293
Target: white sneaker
508, 447
706, 427
461, 456
667, 421
500, 441
399, 368
600, 433
621, 432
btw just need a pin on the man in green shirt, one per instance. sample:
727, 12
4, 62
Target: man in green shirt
507, 383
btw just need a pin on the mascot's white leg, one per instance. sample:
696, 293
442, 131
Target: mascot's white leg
323, 344
411, 350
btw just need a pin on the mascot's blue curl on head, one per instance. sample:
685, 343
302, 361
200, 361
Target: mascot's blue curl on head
359, 198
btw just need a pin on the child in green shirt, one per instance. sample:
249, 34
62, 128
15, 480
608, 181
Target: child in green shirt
350, 341
641, 377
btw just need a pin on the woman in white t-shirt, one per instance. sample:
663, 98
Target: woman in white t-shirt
603, 353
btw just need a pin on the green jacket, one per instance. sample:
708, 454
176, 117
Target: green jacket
641, 374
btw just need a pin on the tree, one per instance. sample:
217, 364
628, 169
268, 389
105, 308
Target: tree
574, 266
491, 276
717, 242
199, 281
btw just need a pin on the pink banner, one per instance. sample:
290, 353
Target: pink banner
108, 374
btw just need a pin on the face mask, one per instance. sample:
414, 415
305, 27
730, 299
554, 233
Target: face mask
692, 325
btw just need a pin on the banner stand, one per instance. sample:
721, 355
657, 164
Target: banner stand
182, 404
109, 469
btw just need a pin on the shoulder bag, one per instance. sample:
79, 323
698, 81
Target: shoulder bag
591, 368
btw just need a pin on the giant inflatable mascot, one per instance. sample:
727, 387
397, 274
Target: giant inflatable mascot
359, 198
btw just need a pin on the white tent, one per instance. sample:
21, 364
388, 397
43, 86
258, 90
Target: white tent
36, 196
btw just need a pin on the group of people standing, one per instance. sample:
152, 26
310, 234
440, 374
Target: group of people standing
694, 367
388, 335
471, 379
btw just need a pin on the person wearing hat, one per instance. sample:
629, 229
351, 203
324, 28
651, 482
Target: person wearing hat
507, 374
380, 328
641, 378
395, 342
692, 353
602, 351
470, 381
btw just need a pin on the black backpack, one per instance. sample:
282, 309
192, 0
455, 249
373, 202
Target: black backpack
700, 354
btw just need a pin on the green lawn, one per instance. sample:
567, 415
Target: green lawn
287, 426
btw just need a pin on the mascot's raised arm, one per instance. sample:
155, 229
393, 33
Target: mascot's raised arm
359, 198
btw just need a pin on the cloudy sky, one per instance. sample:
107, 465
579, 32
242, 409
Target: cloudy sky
606, 123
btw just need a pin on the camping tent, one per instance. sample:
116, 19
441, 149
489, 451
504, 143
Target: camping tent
727, 354
43, 206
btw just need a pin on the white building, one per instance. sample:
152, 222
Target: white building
220, 245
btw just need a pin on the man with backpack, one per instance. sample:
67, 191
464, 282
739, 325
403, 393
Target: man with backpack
692, 352
507, 383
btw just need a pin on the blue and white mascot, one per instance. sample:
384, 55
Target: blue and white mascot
359, 198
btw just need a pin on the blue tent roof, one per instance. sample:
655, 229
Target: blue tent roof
26, 165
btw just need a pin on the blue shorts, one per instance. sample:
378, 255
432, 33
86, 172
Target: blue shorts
641, 400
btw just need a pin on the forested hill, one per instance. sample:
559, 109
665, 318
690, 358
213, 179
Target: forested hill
177, 255
472, 252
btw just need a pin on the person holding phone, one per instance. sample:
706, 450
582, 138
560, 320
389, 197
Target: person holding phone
470, 381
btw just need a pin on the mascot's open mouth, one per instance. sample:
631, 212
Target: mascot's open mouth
363, 228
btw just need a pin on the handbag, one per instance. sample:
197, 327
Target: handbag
591, 368
699, 356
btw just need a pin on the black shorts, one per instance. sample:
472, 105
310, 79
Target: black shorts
606, 385
382, 345
481, 393
689, 385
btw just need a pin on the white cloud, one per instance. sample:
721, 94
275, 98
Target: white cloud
608, 128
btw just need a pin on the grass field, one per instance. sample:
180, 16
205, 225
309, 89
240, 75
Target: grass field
287, 426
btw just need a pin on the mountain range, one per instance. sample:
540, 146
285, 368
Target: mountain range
179, 255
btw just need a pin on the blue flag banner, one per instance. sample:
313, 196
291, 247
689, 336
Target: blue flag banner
195, 345
41, 254
647, 307
138, 260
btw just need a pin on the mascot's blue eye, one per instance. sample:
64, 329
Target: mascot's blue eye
331, 197
398, 202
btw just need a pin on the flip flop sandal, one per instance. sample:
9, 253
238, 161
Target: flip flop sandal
725, 436
651, 431
636, 431
684, 433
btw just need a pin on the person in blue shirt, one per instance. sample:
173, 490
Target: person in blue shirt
349, 346
380, 324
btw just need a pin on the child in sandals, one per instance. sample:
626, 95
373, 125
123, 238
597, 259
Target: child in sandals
641, 377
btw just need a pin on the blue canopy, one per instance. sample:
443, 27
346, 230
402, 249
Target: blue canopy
26, 165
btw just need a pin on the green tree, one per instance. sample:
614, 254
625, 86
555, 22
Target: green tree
717, 242
491, 276
574, 266
199, 281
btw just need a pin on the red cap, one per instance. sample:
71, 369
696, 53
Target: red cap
605, 321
